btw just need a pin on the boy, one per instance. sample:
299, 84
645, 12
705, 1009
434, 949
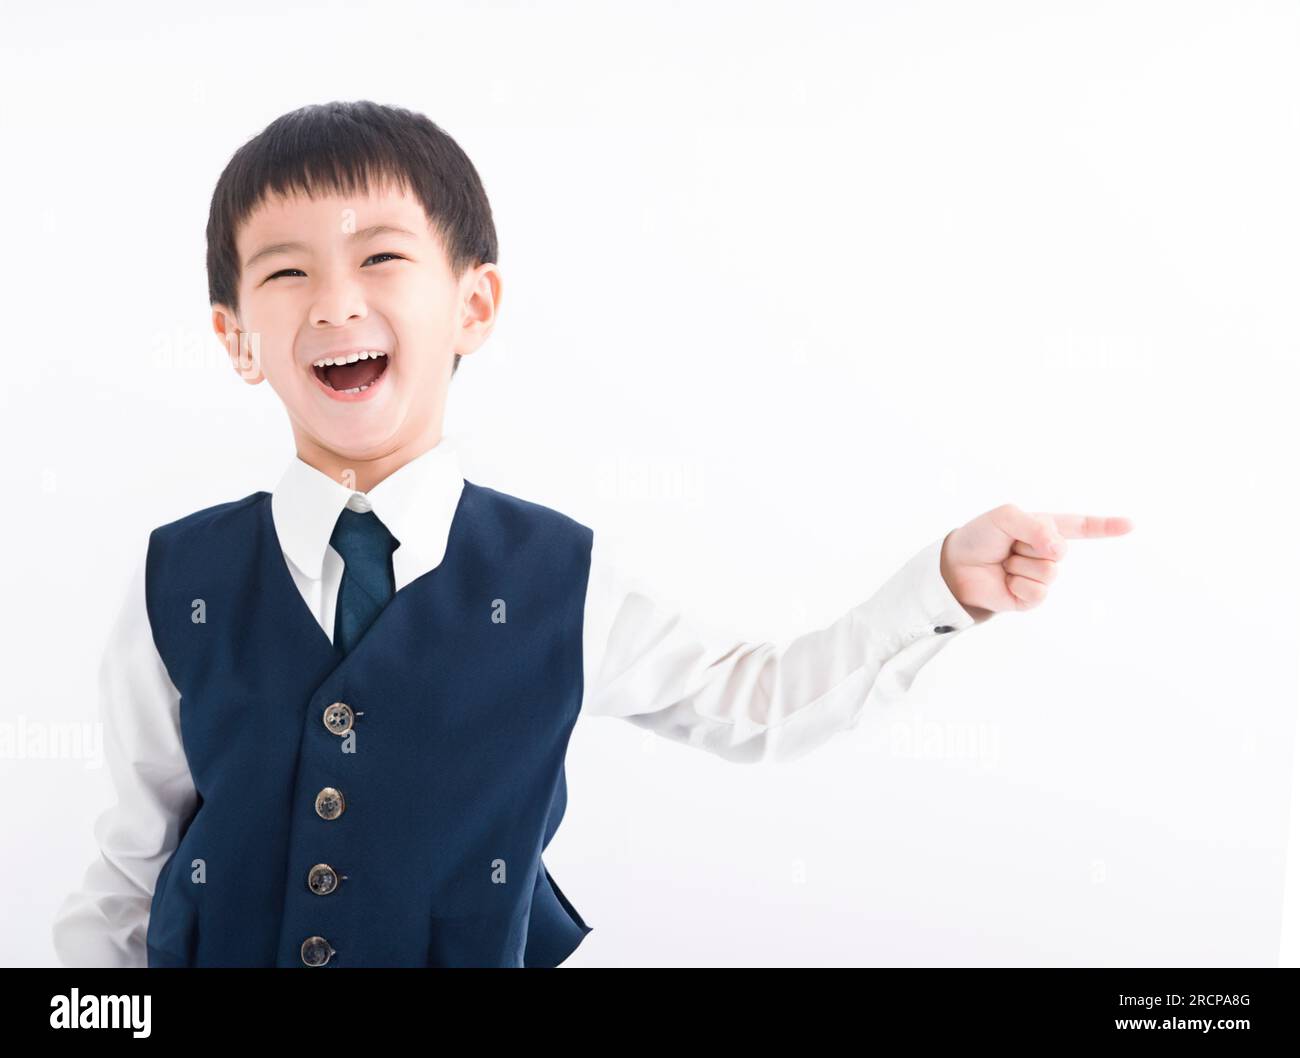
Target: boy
336, 714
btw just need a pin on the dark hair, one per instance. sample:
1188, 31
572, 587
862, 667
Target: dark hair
344, 148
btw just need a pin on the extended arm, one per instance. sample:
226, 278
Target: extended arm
755, 701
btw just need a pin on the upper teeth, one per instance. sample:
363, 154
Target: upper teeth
351, 358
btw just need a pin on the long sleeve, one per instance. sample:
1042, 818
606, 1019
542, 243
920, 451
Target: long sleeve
756, 701
104, 922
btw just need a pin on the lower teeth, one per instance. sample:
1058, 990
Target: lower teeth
357, 389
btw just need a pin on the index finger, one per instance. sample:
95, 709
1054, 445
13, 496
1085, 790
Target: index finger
1079, 526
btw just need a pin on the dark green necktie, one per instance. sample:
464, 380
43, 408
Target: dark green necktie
367, 548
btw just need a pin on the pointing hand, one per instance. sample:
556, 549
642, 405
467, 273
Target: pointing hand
1006, 558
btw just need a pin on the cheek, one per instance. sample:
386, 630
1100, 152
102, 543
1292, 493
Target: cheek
421, 333
269, 326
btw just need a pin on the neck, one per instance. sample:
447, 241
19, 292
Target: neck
364, 474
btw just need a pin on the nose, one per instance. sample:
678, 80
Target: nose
338, 302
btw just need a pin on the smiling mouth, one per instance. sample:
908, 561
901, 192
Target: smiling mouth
355, 377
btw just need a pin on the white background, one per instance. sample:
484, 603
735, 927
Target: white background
790, 290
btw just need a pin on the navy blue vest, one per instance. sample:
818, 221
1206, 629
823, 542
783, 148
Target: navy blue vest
422, 845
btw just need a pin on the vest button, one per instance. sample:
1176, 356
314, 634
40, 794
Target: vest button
322, 879
329, 803
316, 951
338, 718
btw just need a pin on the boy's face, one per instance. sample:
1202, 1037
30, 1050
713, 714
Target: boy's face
337, 288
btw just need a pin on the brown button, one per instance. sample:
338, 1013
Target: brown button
329, 803
338, 717
322, 879
316, 951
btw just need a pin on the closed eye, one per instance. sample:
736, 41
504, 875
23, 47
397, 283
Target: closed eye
287, 271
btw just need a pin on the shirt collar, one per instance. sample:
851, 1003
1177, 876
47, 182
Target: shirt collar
416, 502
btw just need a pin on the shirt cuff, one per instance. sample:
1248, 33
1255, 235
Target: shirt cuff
924, 604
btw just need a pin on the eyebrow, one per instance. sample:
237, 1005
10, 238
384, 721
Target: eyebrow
356, 236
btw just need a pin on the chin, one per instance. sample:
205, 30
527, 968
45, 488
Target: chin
352, 444
363, 437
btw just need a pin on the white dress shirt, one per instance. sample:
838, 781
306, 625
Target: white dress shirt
642, 660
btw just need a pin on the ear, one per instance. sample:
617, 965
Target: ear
480, 294
242, 347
